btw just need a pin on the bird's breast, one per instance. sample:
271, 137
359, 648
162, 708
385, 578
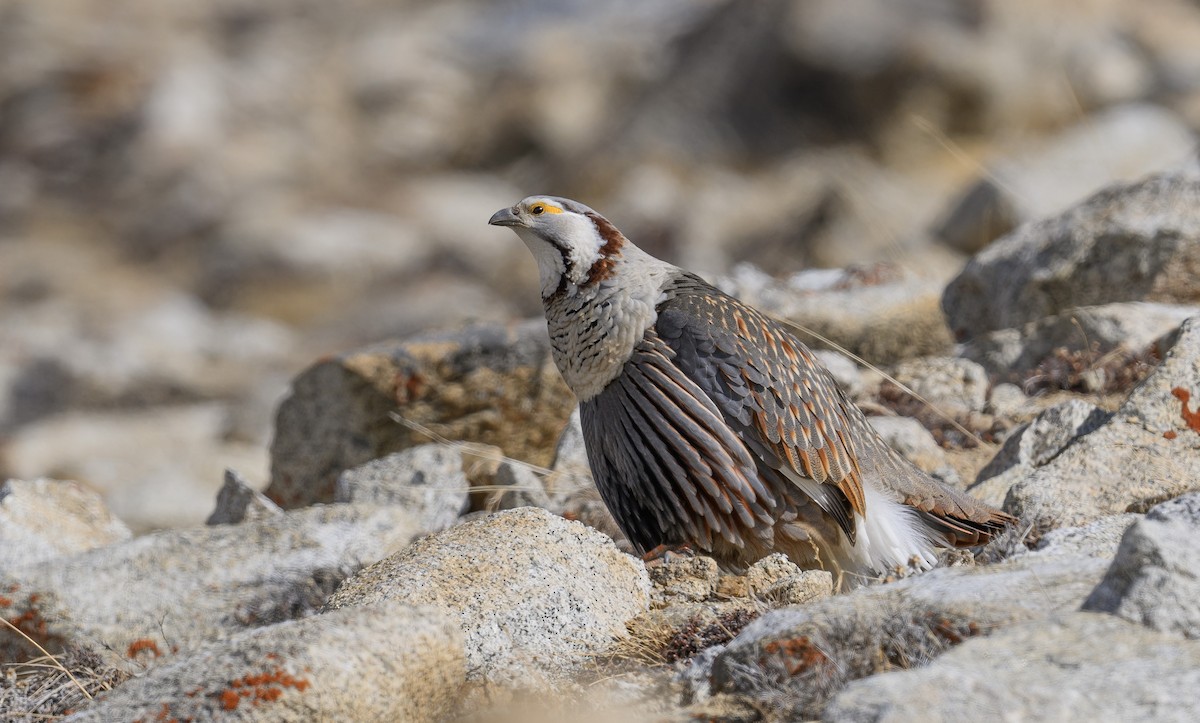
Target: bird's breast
593, 338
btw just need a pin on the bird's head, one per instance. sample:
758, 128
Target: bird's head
575, 247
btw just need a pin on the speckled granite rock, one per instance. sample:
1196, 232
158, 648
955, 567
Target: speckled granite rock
177, 589
389, 662
536, 595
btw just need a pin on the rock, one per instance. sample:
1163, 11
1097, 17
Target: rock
682, 579
805, 655
1034, 445
1128, 242
178, 589
844, 371
1096, 539
882, 315
523, 488
1118, 144
956, 386
487, 384
1073, 666
239, 502
572, 473
800, 588
389, 662
1093, 332
536, 595
1148, 451
427, 481
43, 519
1006, 401
157, 467
1155, 578
908, 437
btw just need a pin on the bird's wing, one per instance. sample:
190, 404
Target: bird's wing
770, 390
666, 463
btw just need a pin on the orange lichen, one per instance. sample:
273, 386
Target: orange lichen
141, 645
1170, 434
5, 602
1190, 418
229, 700
261, 688
800, 653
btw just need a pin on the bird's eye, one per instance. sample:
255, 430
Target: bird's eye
537, 210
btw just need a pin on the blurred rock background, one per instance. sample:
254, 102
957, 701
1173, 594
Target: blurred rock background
198, 199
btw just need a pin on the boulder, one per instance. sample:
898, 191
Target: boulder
489, 384
1129, 242
428, 481
1035, 444
805, 655
1146, 452
177, 589
535, 595
389, 662
1155, 578
1117, 144
1074, 666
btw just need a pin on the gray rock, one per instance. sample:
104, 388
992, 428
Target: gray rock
682, 579
1076, 666
1148, 451
1129, 242
535, 594
487, 384
912, 440
1119, 144
177, 589
43, 519
524, 489
1184, 508
805, 655
800, 588
390, 662
844, 370
1006, 401
1094, 331
1155, 578
1096, 539
956, 386
239, 502
1035, 444
427, 480
571, 473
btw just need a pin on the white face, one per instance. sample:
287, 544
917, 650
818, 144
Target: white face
563, 242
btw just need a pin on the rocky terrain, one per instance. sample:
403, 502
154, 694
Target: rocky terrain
282, 436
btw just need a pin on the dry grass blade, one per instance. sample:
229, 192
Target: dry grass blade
49, 657
478, 450
904, 387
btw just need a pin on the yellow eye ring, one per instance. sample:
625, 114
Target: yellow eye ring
537, 210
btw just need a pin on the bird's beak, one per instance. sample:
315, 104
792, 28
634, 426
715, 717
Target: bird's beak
505, 217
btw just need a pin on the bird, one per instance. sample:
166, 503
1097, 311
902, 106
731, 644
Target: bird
708, 425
